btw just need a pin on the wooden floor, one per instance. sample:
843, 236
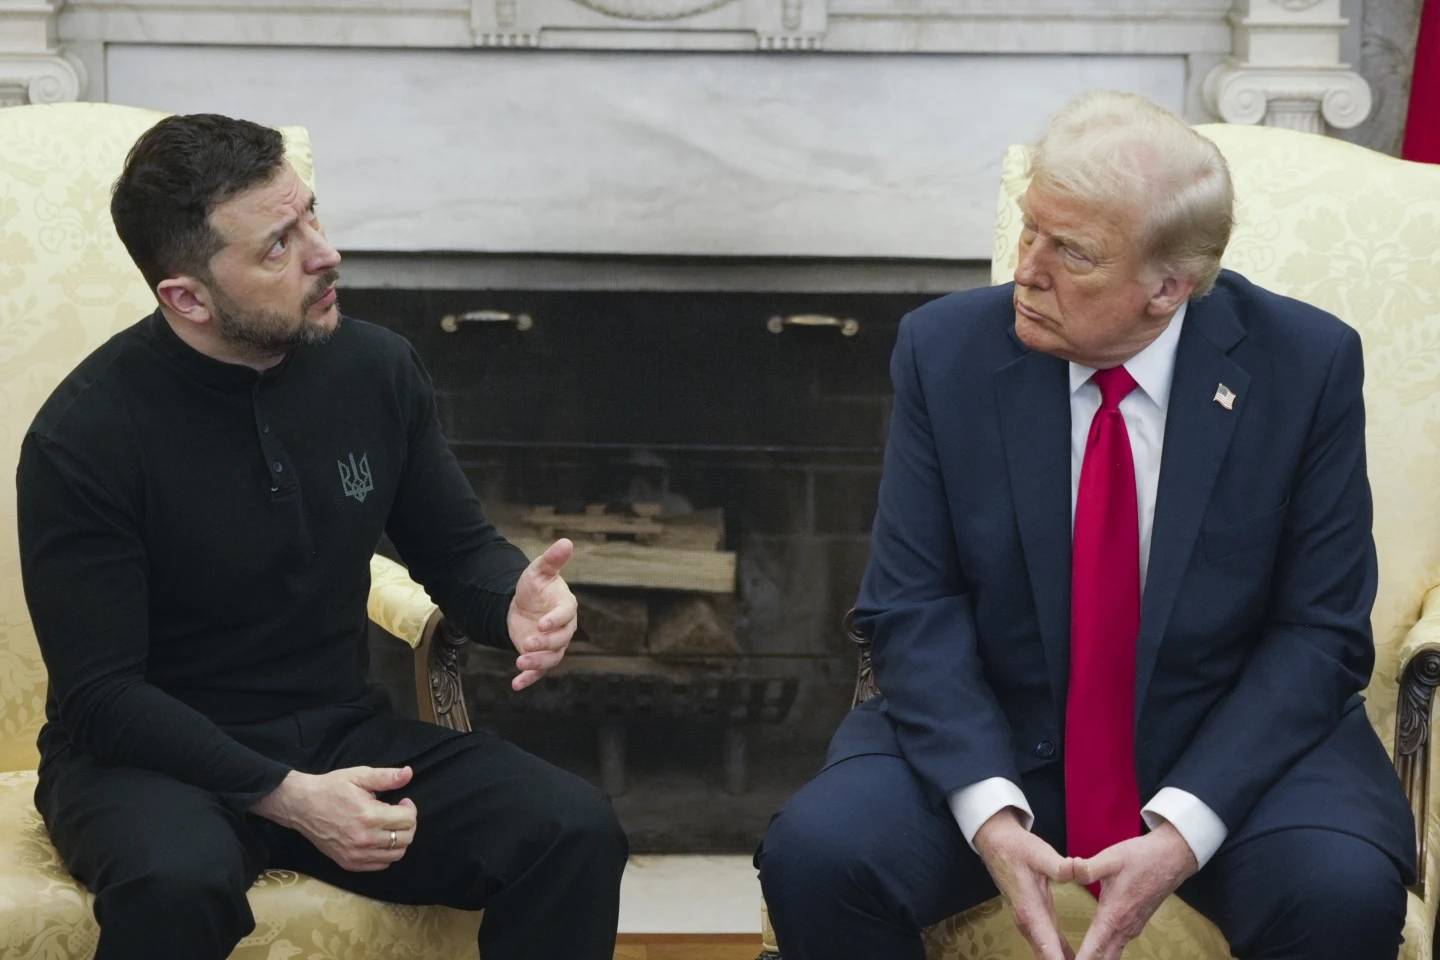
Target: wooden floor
687, 946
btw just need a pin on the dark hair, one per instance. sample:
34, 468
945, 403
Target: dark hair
177, 172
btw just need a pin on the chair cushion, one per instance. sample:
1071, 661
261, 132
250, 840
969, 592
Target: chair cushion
1176, 932
48, 915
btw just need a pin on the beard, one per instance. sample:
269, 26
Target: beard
271, 332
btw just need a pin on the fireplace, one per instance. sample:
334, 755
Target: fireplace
760, 416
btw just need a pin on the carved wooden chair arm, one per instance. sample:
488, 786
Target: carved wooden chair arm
403, 609
1419, 676
439, 691
865, 687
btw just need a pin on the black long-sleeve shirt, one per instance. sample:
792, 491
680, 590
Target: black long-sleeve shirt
195, 540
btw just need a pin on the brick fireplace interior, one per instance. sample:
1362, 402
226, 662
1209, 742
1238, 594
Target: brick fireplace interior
691, 403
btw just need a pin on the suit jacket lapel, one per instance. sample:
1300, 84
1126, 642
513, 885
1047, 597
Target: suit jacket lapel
1197, 434
1034, 398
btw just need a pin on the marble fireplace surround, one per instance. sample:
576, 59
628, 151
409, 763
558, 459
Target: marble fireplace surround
622, 141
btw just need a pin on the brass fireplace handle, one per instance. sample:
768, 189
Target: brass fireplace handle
848, 325
451, 321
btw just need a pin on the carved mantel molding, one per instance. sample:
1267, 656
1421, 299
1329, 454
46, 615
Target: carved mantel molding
33, 67
649, 24
1182, 27
1286, 69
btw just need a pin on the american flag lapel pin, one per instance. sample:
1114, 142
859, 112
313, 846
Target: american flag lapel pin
1224, 396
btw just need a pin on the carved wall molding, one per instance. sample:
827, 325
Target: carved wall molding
651, 24
1298, 99
33, 67
1179, 27
1286, 69
50, 78
653, 10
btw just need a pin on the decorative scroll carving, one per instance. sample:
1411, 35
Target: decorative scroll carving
447, 692
50, 79
653, 10
1346, 103
1297, 99
779, 25
1290, 75
865, 686
32, 68
1412, 741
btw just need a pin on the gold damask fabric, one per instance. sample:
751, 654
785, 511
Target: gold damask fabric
1352, 232
66, 286
46, 915
987, 932
398, 604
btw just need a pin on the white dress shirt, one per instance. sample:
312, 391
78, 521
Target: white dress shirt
1144, 411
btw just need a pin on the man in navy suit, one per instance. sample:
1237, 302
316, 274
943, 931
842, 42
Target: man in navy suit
1118, 594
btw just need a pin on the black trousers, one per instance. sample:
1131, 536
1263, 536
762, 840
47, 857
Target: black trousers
538, 848
861, 860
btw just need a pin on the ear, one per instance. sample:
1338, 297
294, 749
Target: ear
1166, 298
185, 297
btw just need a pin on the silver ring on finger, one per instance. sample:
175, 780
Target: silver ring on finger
392, 840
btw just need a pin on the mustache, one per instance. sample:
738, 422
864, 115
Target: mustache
329, 278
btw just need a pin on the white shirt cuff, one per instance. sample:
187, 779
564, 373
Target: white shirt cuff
1197, 823
973, 805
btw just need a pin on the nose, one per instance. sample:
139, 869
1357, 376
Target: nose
1030, 268
322, 254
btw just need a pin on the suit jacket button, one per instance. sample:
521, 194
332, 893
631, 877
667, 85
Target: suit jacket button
1045, 749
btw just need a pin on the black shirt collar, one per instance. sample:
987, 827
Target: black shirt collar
208, 370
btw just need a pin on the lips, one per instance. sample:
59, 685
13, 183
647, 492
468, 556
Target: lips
1030, 314
325, 299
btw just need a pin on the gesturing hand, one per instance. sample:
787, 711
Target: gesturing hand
339, 814
542, 615
1022, 866
1135, 876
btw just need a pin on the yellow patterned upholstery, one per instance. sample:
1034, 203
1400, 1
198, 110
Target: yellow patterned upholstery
1353, 232
397, 603
66, 285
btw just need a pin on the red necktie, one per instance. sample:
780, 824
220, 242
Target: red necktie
1102, 800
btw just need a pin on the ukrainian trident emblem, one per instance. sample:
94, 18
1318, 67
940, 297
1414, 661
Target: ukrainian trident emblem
355, 479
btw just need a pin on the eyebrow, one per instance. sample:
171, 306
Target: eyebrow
286, 227
1086, 247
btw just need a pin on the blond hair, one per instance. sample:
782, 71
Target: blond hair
1119, 150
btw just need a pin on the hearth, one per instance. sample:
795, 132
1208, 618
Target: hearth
738, 438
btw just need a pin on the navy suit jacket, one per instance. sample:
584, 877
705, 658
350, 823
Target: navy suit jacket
1254, 637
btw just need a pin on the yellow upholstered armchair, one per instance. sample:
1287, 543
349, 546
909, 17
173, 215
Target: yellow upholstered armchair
67, 285
1353, 232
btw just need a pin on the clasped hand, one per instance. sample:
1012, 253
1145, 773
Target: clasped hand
1136, 877
339, 813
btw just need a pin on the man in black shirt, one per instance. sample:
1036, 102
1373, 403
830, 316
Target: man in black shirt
198, 504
